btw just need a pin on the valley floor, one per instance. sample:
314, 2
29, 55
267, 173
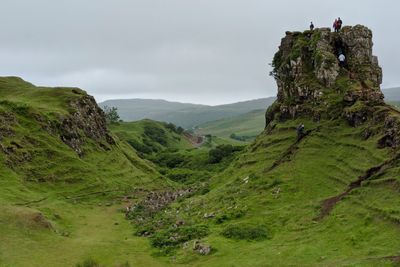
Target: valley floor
97, 232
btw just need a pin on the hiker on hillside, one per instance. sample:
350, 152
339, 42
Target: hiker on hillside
311, 26
300, 131
335, 24
342, 60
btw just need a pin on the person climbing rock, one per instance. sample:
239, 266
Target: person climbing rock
311, 26
342, 60
339, 24
335, 24
300, 131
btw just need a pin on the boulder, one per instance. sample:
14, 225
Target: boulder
202, 249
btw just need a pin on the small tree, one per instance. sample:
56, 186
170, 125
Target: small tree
111, 114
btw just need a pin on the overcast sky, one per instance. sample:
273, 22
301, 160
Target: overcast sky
200, 51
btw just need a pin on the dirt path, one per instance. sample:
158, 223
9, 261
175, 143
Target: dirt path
289, 152
330, 203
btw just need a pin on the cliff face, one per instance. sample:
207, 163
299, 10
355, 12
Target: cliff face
87, 120
310, 81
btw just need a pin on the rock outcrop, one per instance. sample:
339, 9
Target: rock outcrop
86, 120
312, 84
308, 76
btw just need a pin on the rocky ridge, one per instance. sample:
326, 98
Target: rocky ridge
312, 84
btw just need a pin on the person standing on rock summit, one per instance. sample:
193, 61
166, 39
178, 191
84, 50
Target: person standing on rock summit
311, 26
335, 24
339, 24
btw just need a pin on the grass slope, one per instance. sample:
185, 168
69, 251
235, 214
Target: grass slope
58, 208
247, 125
144, 131
267, 204
260, 206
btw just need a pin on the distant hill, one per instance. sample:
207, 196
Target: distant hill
246, 126
147, 136
392, 94
182, 114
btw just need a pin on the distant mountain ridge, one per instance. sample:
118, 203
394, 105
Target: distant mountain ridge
183, 114
392, 94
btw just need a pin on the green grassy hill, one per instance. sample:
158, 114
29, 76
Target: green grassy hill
62, 178
327, 197
77, 192
182, 114
266, 207
151, 136
245, 127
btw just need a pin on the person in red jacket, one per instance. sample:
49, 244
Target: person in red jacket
335, 24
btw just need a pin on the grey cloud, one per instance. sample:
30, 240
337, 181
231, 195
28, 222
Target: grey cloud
202, 51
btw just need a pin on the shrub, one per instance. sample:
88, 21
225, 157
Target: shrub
243, 231
156, 134
222, 151
233, 214
170, 160
140, 147
242, 138
111, 114
151, 144
187, 175
88, 263
174, 128
175, 236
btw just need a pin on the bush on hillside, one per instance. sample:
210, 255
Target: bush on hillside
111, 114
156, 134
166, 159
242, 138
244, 231
187, 176
88, 263
175, 236
174, 128
221, 152
93, 263
142, 148
230, 215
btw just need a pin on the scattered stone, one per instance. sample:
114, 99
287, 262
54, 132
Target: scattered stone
202, 249
180, 223
65, 234
209, 215
157, 200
